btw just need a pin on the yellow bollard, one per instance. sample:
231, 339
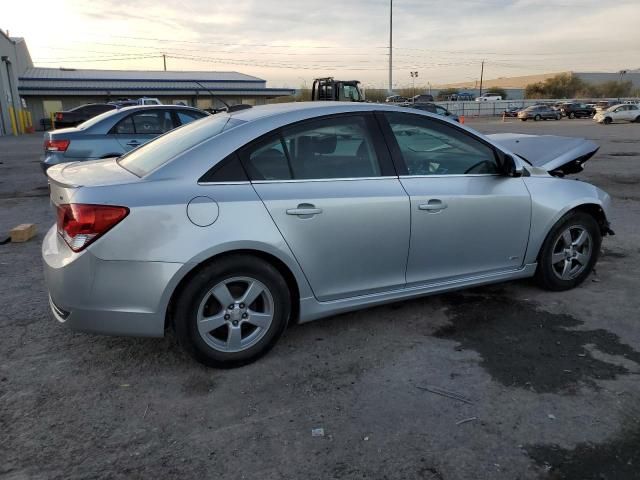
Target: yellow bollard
21, 125
12, 117
29, 119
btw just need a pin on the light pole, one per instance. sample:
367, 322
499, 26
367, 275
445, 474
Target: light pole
414, 75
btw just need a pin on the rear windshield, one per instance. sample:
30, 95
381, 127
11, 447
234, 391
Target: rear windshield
151, 155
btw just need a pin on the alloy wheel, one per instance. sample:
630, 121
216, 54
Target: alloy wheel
235, 314
571, 252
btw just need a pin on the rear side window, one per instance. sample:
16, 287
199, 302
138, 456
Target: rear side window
321, 149
143, 160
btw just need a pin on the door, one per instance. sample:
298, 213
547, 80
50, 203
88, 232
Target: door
466, 218
142, 126
330, 187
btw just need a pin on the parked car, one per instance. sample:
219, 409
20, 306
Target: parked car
396, 99
234, 226
75, 116
603, 105
619, 113
577, 110
114, 133
539, 112
433, 108
488, 97
512, 111
422, 98
461, 97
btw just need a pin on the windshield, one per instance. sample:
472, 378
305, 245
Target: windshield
612, 108
151, 155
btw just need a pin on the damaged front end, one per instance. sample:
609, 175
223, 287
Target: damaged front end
559, 156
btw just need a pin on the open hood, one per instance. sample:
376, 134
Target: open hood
560, 155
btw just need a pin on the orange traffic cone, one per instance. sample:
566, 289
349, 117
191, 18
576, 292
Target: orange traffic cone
462, 119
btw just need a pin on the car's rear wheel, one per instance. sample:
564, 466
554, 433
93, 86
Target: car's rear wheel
572, 115
607, 121
569, 252
537, 117
232, 311
637, 120
558, 117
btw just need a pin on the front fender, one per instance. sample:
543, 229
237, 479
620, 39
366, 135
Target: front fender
551, 199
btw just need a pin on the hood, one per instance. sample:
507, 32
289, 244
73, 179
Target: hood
560, 155
93, 173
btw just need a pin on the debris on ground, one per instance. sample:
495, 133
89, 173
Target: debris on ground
466, 420
23, 232
445, 393
317, 432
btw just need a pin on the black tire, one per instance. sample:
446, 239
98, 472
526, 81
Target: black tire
537, 117
523, 119
546, 276
558, 117
572, 115
194, 292
607, 121
637, 120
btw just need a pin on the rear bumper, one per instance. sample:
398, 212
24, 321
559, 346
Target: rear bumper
106, 297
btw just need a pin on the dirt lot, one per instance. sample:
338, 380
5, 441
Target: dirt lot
546, 384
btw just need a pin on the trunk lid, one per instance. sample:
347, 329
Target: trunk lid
560, 155
66, 178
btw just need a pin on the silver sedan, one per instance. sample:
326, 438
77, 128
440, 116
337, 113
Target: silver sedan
114, 133
230, 228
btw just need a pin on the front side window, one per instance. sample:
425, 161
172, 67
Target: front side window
320, 149
152, 122
429, 147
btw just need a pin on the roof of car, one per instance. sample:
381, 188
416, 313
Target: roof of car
263, 111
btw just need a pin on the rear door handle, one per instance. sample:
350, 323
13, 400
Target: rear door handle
434, 205
304, 209
133, 143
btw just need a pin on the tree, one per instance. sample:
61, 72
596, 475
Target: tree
563, 85
497, 91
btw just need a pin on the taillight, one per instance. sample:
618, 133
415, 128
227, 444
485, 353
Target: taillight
80, 224
56, 145
58, 115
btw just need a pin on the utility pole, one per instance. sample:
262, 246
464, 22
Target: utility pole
164, 59
390, 46
481, 75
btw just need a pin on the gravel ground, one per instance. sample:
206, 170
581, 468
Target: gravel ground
545, 385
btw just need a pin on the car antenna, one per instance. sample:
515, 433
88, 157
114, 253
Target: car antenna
230, 108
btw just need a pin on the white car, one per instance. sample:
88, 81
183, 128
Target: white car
488, 97
618, 113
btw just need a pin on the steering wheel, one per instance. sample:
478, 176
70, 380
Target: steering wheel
476, 165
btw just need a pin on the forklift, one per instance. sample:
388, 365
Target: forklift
328, 89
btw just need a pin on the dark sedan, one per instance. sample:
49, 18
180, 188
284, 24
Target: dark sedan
539, 112
433, 108
75, 116
577, 110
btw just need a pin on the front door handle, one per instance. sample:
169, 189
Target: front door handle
434, 205
304, 210
133, 143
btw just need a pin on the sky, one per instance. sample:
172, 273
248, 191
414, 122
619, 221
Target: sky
290, 42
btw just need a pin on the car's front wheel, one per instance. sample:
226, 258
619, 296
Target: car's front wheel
232, 311
537, 118
569, 252
607, 121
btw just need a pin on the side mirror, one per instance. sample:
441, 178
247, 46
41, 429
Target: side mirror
510, 167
